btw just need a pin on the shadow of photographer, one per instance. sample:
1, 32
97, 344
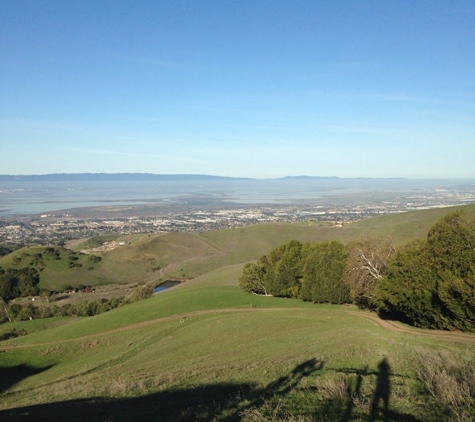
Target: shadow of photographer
382, 393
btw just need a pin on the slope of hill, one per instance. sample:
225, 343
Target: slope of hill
155, 258
403, 227
206, 350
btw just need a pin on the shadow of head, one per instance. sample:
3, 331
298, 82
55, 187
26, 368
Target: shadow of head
11, 375
306, 368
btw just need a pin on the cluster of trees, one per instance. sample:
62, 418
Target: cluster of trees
5, 249
18, 283
310, 271
10, 312
23, 282
427, 283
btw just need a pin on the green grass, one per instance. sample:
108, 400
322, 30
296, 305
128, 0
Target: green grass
155, 258
254, 349
66, 267
235, 349
402, 227
93, 242
37, 324
206, 350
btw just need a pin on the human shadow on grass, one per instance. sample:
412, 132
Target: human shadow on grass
285, 384
381, 394
224, 402
11, 375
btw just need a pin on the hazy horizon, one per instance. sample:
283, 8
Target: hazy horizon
144, 175
40, 196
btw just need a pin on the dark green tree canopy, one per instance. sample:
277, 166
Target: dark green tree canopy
322, 274
431, 283
427, 283
18, 282
310, 271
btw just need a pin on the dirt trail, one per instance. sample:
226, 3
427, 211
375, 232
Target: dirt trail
393, 326
397, 327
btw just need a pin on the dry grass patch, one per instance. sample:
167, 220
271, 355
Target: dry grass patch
449, 379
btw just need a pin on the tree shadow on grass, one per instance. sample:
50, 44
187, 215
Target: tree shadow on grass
11, 375
224, 402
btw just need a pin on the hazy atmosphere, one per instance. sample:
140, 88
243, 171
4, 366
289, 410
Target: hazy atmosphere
238, 88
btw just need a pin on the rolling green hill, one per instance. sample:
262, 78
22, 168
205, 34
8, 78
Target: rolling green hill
206, 350
154, 258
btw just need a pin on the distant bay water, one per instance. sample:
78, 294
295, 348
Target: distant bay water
23, 197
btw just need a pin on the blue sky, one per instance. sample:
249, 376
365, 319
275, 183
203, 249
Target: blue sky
238, 88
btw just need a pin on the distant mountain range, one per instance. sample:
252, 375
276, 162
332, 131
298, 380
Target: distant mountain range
114, 177
106, 177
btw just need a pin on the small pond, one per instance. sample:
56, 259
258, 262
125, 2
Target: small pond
166, 285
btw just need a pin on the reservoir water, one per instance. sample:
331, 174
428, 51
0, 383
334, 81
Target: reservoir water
166, 285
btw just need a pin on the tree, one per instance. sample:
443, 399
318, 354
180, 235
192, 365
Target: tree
431, 283
408, 291
28, 279
140, 293
308, 271
367, 264
44, 312
26, 312
253, 279
322, 274
10, 311
9, 285
5, 250
451, 245
283, 270
46, 295
18, 282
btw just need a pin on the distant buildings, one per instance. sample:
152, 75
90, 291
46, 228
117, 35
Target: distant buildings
59, 228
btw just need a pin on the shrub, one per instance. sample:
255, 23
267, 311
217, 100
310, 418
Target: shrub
12, 333
449, 380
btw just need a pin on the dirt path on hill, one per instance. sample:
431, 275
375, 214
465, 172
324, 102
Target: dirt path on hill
397, 327
453, 336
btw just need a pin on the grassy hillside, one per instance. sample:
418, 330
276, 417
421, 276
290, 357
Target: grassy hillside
403, 227
57, 266
205, 350
154, 258
186, 255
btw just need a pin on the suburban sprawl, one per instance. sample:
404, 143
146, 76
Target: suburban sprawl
61, 226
